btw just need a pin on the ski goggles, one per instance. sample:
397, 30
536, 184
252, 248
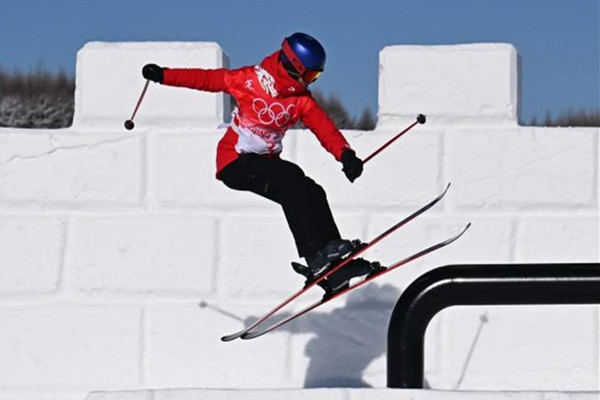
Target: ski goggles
294, 66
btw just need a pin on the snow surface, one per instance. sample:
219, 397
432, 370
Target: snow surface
339, 394
122, 259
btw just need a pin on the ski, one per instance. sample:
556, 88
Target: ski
257, 333
233, 336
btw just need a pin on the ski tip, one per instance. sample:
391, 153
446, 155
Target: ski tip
458, 235
464, 230
444, 192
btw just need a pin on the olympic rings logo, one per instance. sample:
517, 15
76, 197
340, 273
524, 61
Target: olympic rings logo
273, 113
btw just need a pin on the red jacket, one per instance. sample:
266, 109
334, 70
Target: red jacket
269, 102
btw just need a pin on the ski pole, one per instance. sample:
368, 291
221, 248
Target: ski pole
129, 125
420, 120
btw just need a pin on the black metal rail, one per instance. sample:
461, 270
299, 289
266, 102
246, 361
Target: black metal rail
477, 285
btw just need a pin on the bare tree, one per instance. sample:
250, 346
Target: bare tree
367, 121
335, 109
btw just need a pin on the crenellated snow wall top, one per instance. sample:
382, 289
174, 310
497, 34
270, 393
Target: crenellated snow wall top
109, 83
471, 83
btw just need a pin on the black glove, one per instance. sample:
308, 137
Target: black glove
153, 73
353, 166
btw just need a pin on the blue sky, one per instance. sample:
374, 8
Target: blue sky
558, 39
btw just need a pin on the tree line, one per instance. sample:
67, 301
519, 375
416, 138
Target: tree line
37, 99
580, 118
43, 99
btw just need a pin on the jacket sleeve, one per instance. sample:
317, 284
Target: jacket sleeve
315, 119
209, 80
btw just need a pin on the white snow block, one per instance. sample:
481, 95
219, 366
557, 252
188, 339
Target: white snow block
69, 169
398, 177
171, 255
489, 240
352, 332
553, 239
41, 394
23, 271
184, 349
110, 81
184, 169
473, 82
70, 346
131, 395
525, 168
519, 348
256, 251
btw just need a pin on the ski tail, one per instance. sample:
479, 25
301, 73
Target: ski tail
233, 336
252, 334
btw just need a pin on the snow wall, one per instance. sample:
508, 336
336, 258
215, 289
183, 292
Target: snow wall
123, 261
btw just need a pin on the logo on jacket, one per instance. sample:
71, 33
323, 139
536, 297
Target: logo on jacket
266, 80
248, 85
275, 112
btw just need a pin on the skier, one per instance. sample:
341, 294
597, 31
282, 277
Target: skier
271, 97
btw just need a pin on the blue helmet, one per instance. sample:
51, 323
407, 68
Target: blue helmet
303, 56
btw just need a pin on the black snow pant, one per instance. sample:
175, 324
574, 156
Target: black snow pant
304, 202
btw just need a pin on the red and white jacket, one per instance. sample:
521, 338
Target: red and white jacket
269, 102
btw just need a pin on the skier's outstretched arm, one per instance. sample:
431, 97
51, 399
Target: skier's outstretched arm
315, 119
209, 80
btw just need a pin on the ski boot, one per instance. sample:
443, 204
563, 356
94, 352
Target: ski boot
340, 280
326, 258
